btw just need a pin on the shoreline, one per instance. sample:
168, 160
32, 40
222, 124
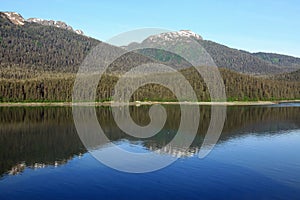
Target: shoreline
139, 103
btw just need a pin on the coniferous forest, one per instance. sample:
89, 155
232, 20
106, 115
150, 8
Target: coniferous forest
39, 63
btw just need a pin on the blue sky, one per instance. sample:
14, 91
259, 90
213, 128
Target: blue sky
254, 25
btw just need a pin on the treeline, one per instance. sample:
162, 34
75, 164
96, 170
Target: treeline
292, 76
38, 63
60, 88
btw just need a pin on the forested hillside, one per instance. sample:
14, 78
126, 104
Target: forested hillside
223, 56
39, 63
280, 60
293, 76
34, 46
240, 61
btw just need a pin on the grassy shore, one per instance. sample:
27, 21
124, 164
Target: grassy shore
139, 103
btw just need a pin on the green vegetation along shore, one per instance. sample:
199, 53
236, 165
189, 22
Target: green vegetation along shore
59, 88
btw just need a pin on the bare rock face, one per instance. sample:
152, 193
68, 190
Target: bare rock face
80, 32
183, 37
17, 19
175, 35
14, 18
58, 24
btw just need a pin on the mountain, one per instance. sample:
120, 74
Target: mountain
280, 60
13, 17
223, 56
17, 19
240, 61
173, 36
53, 45
34, 46
58, 24
39, 63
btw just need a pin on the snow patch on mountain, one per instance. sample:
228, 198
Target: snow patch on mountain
175, 35
17, 19
58, 24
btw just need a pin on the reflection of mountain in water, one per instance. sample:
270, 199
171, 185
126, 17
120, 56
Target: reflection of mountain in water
38, 137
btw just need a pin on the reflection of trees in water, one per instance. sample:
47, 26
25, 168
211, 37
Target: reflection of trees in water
47, 135
37, 137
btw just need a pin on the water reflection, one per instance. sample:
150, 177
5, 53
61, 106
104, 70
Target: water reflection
43, 136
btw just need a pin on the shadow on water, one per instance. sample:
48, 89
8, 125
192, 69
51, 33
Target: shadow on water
39, 136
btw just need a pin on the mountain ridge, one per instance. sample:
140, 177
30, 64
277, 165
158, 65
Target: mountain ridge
279, 59
223, 56
37, 47
17, 19
39, 63
237, 60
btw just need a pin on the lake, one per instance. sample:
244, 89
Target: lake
257, 156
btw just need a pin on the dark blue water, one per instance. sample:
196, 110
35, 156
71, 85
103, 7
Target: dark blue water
257, 157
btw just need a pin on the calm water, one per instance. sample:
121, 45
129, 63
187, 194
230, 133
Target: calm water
42, 157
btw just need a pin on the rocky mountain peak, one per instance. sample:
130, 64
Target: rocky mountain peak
14, 17
58, 24
17, 19
175, 35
